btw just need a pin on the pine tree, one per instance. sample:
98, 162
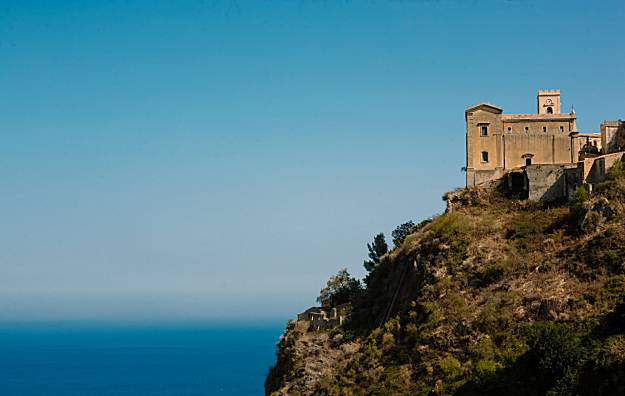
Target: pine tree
377, 249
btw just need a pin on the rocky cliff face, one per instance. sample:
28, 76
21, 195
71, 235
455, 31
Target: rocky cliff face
498, 296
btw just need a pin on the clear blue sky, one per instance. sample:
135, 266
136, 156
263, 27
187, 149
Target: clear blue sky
168, 160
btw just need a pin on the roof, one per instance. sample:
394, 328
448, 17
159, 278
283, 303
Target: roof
541, 117
488, 106
547, 92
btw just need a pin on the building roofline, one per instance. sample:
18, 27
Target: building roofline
542, 117
548, 92
484, 104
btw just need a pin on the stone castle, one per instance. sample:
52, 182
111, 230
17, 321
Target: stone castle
542, 154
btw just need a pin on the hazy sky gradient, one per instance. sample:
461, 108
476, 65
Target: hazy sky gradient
207, 159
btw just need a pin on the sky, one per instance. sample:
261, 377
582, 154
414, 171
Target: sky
181, 160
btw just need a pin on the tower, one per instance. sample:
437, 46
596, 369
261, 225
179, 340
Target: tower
548, 101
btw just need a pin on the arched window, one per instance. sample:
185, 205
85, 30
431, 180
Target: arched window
549, 110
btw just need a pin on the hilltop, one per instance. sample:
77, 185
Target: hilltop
496, 296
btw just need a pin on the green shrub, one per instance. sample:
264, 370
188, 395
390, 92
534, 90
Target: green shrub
450, 366
485, 369
616, 172
483, 349
555, 349
613, 187
450, 225
602, 253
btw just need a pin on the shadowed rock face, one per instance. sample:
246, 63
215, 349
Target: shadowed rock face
497, 296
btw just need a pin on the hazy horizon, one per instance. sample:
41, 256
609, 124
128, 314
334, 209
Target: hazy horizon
219, 159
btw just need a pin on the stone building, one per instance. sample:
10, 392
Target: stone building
498, 143
541, 156
613, 136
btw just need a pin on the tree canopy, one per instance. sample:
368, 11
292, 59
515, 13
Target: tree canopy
377, 249
340, 289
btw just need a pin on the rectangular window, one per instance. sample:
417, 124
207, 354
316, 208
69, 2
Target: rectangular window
483, 130
561, 129
544, 129
484, 156
527, 129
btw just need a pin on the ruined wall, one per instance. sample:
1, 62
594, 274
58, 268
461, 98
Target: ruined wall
551, 182
320, 318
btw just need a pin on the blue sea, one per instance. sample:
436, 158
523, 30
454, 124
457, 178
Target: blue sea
182, 359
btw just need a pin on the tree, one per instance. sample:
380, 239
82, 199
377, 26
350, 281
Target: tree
340, 289
402, 231
377, 249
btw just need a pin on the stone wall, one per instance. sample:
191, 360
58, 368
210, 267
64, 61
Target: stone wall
542, 148
551, 182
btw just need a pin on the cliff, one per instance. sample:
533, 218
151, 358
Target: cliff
498, 296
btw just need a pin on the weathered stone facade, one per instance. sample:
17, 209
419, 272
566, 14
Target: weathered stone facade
551, 182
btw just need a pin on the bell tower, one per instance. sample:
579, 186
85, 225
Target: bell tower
548, 101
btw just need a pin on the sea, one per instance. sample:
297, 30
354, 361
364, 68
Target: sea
121, 359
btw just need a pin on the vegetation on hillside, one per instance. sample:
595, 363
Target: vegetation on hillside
498, 297
340, 289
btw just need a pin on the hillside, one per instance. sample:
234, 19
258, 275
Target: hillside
499, 296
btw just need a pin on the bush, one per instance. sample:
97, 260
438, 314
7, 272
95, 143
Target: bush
576, 205
450, 366
555, 349
616, 172
603, 253
614, 184
485, 369
450, 225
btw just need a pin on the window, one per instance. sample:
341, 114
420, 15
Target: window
483, 130
544, 129
509, 129
549, 110
527, 129
601, 167
561, 129
528, 161
484, 156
